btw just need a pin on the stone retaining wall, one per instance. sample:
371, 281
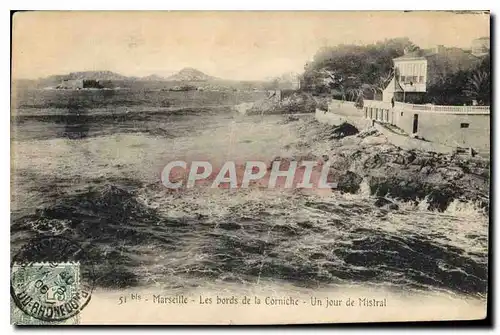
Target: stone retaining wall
405, 142
408, 143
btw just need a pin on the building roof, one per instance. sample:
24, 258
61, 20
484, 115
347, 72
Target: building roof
456, 56
419, 54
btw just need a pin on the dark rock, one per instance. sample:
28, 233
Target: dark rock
366, 133
357, 154
382, 202
404, 189
398, 159
426, 170
404, 158
349, 182
410, 157
394, 206
317, 255
451, 173
373, 162
438, 196
305, 225
423, 161
405, 175
440, 199
229, 226
345, 129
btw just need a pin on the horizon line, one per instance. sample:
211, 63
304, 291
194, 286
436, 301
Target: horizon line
269, 78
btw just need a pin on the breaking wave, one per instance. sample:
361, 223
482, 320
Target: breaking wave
141, 234
247, 237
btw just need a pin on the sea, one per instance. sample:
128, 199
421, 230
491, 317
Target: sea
86, 165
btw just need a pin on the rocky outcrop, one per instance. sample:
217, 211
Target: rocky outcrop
297, 102
440, 179
386, 203
406, 175
349, 182
345, 129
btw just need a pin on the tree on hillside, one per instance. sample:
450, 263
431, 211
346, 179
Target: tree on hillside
357, 65
478, 87
458, 87
447, 89
354, 93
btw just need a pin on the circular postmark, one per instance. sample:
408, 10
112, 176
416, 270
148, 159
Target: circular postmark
52, 278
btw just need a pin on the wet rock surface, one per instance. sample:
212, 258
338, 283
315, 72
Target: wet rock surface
349, 182
386, 203
407, 175
345, 129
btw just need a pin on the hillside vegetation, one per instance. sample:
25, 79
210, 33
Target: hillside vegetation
352, 72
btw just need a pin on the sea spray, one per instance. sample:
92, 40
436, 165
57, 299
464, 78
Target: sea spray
466, 208
203, 235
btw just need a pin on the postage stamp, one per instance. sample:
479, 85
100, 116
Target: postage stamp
47, 293
51, 282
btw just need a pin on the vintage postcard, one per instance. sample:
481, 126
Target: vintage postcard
245, 167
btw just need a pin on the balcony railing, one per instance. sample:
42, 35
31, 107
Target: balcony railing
429, 108
415, 107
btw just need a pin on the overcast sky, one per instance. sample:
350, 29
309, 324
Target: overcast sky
231, 45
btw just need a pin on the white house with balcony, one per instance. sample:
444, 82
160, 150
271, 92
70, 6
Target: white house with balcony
410, 75
414, 71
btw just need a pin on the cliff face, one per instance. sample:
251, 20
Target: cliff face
392, 172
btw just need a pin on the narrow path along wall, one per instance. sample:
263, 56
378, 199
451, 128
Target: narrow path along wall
339, 113
442, 128
454, 126
409, 143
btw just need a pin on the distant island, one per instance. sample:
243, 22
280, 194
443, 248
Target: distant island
190, 74
184, 80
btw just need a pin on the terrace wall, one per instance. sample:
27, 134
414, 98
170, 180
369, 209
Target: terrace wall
449, 126
454, 126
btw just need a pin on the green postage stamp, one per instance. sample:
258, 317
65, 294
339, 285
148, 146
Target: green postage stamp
45, 294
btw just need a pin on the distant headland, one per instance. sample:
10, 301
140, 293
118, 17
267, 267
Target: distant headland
186, 79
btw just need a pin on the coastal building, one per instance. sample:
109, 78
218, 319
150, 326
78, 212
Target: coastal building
481, 46
287, 81
415, 71
410, 75
71, 84
451, 126
85, 83
295, 82
443, 129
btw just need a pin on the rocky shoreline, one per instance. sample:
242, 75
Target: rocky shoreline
393, 173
